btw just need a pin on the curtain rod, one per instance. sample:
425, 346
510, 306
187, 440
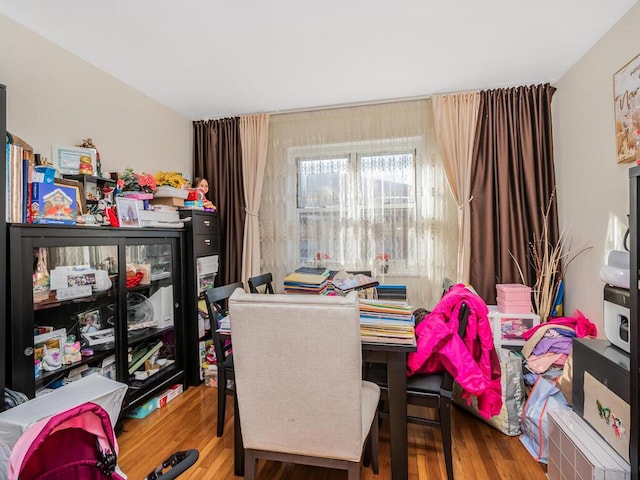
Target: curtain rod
365, 103
348, 105
352, 104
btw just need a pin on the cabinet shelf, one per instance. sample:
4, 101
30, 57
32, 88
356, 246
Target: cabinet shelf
148, 334
53, 303
162, 371
48, 377
154, 284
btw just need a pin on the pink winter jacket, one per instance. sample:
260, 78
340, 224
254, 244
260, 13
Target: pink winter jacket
471, 361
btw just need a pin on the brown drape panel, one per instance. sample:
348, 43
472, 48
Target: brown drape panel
217, 156
513, 181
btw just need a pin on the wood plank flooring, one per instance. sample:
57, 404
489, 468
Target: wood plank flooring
189, 421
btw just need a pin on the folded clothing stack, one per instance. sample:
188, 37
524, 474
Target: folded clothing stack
513, 298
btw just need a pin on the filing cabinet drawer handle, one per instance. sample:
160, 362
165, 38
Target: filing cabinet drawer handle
208, 242
206, 223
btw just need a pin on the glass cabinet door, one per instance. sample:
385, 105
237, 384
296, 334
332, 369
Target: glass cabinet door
150, 312
74, 300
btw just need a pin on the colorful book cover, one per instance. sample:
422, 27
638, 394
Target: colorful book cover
53, 204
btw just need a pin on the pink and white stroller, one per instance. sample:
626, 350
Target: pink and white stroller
79, 444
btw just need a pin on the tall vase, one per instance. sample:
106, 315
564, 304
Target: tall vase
41, 276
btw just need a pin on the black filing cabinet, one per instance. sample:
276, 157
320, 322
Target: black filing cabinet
202, 258
606, 363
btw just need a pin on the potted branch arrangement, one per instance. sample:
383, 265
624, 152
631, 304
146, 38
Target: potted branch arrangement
550, 262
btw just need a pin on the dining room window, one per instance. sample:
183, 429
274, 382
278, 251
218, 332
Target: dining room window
360, 188
366, 199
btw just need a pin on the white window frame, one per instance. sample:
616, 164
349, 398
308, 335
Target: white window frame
353, 151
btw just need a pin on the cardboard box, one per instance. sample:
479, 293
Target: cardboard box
168, 395
144, 410
174, 391
162, 399
53, 204
167, 191
172, 201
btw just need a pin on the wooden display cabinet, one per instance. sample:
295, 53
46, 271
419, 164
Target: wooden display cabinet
80, 282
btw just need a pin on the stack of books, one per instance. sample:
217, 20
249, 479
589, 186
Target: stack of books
392, 292
307, 280
387, 321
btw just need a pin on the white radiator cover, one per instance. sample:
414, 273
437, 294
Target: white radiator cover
576, 451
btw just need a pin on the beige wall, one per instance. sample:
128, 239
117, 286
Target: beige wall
55, 97
593, 196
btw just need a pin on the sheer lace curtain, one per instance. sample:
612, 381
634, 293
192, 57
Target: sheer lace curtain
360, 188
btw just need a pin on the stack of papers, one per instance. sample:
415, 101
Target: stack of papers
387, 321
301, 282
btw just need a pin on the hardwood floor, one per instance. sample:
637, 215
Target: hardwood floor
189, 421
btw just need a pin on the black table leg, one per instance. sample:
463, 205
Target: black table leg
397, 381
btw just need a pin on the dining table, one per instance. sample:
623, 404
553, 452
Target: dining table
394, 356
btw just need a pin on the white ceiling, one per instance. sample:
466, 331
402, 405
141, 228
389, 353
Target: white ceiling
213, 58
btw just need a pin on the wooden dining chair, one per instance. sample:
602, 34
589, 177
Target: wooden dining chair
433, 391
217, 300
263, 280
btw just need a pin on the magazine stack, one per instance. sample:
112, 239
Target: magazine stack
387, 321
307, 280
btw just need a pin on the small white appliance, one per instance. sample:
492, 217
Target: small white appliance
616, 316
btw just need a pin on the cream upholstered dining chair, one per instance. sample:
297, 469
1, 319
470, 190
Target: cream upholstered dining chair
298, 370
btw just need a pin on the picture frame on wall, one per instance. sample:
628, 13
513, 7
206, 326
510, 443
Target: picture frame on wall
68, 159
128, 214
626, 96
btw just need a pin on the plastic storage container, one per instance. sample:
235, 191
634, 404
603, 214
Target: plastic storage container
513, 298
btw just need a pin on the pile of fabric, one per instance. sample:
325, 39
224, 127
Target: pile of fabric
549, 345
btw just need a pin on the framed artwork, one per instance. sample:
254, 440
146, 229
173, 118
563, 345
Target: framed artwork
69, 160
81, 202
626, 96
128, 215
89, 321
